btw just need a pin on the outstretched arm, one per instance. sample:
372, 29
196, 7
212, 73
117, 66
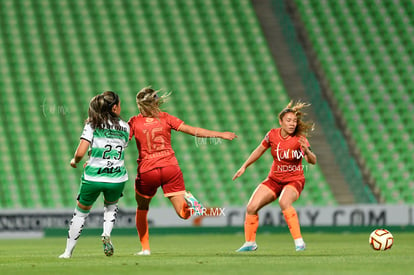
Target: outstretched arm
200, 132
80, 152
255, 155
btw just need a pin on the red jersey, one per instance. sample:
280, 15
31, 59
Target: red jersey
153, 139
287, 156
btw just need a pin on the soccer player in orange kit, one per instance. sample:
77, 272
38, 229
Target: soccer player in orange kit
286, 179
157, 164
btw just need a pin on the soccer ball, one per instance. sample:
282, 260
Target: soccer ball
381, 239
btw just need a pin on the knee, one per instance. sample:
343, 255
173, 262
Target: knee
284, 204
251, 209
84, 207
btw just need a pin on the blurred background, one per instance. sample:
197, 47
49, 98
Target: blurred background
231, 65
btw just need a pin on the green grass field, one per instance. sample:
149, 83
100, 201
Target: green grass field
327, 253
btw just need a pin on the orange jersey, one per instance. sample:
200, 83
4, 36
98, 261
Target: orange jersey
287, 156
153, 139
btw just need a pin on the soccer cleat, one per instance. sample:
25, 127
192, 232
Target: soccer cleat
107, 246
192, 202
247, 247
65, 256
301, 247
143, 253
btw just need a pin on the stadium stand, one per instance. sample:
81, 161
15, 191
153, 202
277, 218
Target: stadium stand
211, 54
365, 52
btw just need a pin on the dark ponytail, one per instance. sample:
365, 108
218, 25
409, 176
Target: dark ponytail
100, 110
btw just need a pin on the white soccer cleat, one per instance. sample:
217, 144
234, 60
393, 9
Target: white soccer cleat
65, 256
145, 252
300, 247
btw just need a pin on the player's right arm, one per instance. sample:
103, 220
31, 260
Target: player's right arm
255, 155
200, 132
80, 152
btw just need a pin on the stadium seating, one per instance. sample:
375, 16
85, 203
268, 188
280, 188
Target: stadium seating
365, 50
211, 54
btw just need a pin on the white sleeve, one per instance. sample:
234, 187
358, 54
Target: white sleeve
87, 133
126, 125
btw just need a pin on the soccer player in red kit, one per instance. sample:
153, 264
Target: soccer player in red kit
286, 179
157, 164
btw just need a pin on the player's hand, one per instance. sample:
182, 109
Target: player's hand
239, 173
228, 135
303, 145
73, 163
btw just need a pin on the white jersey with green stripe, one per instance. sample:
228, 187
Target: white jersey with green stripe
106, 161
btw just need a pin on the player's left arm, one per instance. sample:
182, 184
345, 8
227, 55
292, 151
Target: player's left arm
310, 157
80, 152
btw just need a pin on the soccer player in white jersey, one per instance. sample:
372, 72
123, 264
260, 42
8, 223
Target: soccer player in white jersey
107, 136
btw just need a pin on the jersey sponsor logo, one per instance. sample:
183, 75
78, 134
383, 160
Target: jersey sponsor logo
158, 154
113, 134
149, 121
288, 154
109, 170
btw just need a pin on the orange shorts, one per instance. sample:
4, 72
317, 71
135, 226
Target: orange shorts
170, 178
276, 187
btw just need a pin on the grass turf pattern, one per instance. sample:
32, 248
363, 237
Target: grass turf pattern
327, 253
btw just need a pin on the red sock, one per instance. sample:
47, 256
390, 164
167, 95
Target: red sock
142, 228
293, 222
250, 227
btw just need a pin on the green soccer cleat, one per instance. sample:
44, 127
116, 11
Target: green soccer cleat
107, 246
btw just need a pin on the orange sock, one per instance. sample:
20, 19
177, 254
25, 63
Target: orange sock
293, 222
185, 212
250, 227
142, 228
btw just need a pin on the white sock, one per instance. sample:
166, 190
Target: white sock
299, 242
110, 212
75, 230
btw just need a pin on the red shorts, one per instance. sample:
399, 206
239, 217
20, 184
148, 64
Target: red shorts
170, 178
276, 187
